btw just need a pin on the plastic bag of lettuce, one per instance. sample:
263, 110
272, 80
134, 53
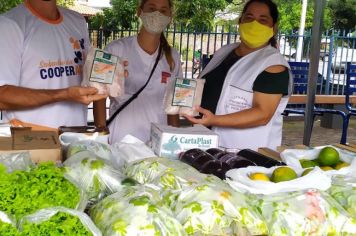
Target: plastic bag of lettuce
135, 211
203, 204
215, 209
94, 175
166, 173
343, 190
101, 150
24, 192
304, 213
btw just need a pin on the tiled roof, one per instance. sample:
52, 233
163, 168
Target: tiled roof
85, 10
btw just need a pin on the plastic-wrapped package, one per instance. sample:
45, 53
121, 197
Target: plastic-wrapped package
130, 149
183, 95
16, 161
101, 150
135, 211
105, 72
95, 176
304, 213
58, 221
215, 209
24, 192
166, 173
343, 190
7, 225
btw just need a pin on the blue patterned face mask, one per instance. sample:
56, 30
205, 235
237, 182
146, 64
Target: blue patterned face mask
155, 22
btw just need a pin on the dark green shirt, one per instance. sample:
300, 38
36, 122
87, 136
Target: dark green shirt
271, 83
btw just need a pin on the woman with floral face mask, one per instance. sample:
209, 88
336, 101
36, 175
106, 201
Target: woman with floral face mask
248, 84
141, 52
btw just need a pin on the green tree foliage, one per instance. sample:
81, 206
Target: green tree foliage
344, 14
6, 5
198, 13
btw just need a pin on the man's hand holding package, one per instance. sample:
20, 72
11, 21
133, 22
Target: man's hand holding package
85, 95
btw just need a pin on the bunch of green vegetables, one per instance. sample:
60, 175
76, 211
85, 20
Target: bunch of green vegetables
7, 229
24, 192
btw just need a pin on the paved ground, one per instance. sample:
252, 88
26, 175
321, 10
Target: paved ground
293, 133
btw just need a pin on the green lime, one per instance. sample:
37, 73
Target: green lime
283, 173
328, 156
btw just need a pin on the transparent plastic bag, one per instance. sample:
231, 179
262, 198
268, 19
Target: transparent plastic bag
215, 209
94, 175
130, 149
343, 190
166, 173
16, 161
101, 150
135, 211
183, 95
105, 72
64, 221
301, 213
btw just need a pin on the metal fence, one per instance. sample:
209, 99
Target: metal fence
196, 47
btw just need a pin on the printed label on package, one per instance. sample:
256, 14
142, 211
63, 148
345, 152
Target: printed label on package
104, 66
184, 92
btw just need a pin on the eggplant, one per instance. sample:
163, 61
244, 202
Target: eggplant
216, 152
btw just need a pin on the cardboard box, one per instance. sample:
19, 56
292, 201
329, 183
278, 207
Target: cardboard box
168, 141
42, 145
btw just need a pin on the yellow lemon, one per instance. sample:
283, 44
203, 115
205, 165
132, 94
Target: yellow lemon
283, 173
341, 165
259, 176
326, 168
328, 156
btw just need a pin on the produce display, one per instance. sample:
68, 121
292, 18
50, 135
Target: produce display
135, 211
24, 192
160, 196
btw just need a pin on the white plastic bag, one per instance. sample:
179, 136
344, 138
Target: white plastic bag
105, 72
183, 95
46, 214
292, 158
239, 180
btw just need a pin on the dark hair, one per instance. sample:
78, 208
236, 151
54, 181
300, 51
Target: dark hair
167, 49
273, 10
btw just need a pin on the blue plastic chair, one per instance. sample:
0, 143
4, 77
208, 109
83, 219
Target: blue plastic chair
300, 71
350, 89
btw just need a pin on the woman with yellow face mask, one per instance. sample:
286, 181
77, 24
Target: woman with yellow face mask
247, 84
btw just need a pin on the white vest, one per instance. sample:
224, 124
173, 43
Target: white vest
237, 95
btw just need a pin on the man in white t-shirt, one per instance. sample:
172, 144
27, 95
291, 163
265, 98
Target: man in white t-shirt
42, 51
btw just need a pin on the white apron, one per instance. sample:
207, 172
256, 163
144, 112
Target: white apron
237, 95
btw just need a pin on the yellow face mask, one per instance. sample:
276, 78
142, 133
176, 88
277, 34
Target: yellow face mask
255, 34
